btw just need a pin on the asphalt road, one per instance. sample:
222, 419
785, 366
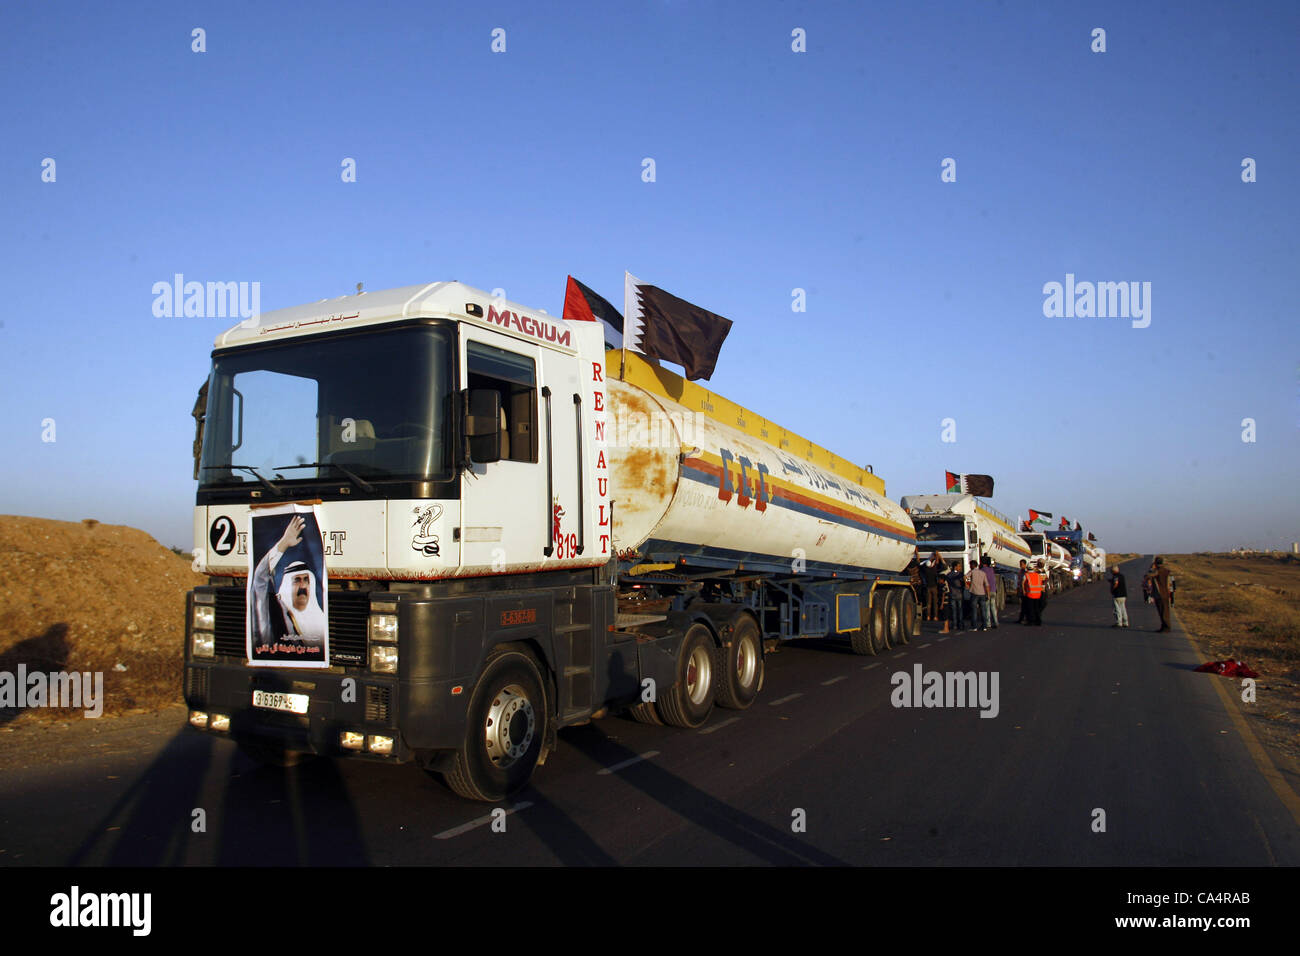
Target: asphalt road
1106, 750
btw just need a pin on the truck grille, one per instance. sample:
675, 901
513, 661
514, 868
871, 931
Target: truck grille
349, 615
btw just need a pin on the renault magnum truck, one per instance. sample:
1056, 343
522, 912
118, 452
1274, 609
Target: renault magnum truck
439, 527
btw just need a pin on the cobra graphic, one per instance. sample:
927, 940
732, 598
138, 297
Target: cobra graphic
425, 541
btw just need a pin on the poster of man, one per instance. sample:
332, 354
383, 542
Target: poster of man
288, 589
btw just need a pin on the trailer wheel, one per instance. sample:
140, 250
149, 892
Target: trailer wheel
878, 621
907, 614
690, 700
740, 666
506, 727
894, 617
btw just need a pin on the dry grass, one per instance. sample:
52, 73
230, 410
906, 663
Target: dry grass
1248, 608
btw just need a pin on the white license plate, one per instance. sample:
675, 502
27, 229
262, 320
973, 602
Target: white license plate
293, 703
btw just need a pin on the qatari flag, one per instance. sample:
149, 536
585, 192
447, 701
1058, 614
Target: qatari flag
583, 305
981, 486
663, 326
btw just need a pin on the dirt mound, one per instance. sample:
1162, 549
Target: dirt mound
85, 596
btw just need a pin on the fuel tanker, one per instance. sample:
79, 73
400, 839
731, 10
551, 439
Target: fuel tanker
962, 527
438, 527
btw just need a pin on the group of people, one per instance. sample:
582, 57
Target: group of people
1157, 586
965, 599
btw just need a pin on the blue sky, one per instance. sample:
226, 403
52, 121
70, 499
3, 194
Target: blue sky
775, 170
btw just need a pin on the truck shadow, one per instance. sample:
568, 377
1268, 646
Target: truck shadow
723, 820
265, 817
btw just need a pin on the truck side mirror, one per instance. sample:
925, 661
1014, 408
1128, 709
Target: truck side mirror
483, 425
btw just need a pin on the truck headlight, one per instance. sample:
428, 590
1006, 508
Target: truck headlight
383, 628
203, 644
204, 617
383, 658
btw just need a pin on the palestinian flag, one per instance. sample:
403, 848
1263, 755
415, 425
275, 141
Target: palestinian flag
1040, 517
581, 304
662, 326
981, 486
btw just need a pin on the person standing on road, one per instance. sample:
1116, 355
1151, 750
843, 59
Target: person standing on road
957, 595
1159, 577
1034, 595
1119, 594
991, 618
978, 585
1024, 595
930, 572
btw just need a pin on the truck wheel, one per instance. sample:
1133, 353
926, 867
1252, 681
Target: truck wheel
894, 617
740, 666
878, 621
690, 701
506, 726
273, 755
906, 614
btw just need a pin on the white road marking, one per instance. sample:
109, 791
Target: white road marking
480, 821
627, 763
900, 654
712, 727
941, 638
834, 680
869, 666
784, 700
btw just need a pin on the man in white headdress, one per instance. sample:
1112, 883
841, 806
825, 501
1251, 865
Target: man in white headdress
294, 613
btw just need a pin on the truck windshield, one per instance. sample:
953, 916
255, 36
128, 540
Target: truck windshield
939, 535
376, 404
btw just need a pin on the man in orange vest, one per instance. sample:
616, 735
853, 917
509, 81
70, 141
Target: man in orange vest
1034, 595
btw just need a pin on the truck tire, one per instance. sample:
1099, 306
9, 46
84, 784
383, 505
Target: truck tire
878, 621
907, 612
860, 640
505, 728
690, 700
740, 666
894, 617
273, 755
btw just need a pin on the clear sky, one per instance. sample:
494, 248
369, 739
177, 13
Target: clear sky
774, 170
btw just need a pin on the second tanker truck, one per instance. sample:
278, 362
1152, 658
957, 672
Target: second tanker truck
439, 527
962, 527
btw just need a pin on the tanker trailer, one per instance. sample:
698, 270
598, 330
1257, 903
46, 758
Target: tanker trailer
966, 528
753, 530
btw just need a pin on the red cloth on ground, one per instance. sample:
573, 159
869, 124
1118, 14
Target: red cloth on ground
1227, 669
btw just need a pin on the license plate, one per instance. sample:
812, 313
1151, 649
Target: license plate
292, 703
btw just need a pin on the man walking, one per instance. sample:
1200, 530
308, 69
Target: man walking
1159, 577
1119, 593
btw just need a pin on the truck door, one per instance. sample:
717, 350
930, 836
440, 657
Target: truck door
504, 511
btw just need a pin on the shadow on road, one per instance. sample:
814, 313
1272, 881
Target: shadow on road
264, 817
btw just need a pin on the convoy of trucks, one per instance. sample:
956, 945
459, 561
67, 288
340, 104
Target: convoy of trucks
1056, 560
509, 531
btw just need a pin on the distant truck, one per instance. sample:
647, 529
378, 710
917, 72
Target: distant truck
439, 527
1085, 560
965, 527
1056, 560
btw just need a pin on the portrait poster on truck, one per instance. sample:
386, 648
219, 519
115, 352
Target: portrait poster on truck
287, 610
